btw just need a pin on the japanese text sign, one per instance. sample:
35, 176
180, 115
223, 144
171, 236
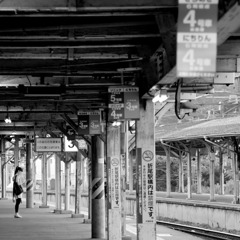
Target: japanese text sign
197, 38
146, 186
123, 103
89, 123
114, 182
48, 144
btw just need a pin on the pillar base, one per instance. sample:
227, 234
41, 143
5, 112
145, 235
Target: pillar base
87, 221
43, 206
57, 211
4, 198
76, 215
126, 238
212, 200
66, 212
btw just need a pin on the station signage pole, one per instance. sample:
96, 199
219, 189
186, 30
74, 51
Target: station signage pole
123, 105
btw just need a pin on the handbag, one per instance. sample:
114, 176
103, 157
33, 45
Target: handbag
17, 189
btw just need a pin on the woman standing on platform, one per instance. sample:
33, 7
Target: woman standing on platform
17, 190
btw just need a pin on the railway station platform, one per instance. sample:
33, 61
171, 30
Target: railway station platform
42, 224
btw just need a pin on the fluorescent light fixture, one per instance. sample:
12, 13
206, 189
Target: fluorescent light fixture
116, 124
160, 97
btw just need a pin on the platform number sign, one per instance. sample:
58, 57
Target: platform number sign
123, 103
89, 123
197, 38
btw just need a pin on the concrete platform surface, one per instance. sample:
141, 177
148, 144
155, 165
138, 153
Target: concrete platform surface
42, 224
39, 224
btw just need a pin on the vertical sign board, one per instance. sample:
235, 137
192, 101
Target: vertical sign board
89, 123
197, 38
48, 144
71, 135
69, 146
114, 190
123, 103
146, 185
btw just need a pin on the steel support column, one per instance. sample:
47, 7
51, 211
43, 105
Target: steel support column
44, 181
67, 183
168, 172
235, 178
180, 174
58, 184
146, 172
98, 196
29, 181
221, 172
189, 175
114, 184
131, 171
212, 175
123, 175
16, 151
3, 168
199, 173
78, 189
89, 182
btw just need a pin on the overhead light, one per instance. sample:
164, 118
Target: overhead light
116, 124
161, 96
7, 119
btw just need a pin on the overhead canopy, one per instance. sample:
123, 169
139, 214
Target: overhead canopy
225, 127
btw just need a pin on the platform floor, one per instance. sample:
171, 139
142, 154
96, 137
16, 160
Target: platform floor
39, 224
42, 224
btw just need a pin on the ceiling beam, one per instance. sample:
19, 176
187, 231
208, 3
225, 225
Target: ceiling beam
78, 42
83, 25
86, 6
76, 56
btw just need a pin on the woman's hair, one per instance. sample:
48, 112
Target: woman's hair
18, 169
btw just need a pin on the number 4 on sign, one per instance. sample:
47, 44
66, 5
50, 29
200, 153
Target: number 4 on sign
190, 18
189, 57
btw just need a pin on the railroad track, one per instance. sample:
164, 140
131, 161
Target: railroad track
210, 234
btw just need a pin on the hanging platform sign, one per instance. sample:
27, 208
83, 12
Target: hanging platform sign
123, 103
197, 38
48, 144
89, 123
69, 146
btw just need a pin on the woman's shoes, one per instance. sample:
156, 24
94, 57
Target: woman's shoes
17, 215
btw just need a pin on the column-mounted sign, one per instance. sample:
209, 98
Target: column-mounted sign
48, 144
71, 134
123, 103
89, 123
197, 38
114, 190
146, 186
